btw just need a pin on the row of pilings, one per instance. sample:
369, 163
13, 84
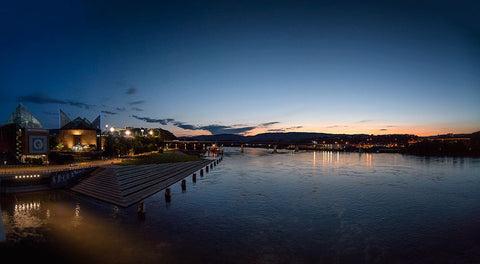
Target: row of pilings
168, 196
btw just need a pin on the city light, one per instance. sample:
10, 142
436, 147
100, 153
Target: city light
150, 132
128, 132
112, 129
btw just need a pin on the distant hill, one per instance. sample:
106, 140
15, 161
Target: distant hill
402, 143
304, 137
219, 137
290, 137
166, 135
451, 136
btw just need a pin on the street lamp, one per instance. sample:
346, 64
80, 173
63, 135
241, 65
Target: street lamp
112, 129
150, 132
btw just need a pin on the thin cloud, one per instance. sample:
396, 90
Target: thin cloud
335, 126
214, 129
137, 109
43, 99
294, 127
131, 90
284, 129
219, 129
154, 120
277, 130
268, 124
108, 112
136, 102
121, 109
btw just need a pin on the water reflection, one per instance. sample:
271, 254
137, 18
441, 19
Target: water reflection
25, 214
261, 207
23, 207
85, 230
77, 219
368, 160
330, 157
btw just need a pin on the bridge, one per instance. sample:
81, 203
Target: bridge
203, 145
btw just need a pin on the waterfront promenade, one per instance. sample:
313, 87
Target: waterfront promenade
8, 171
106, 180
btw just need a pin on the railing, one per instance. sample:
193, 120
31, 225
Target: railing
16, 166
44, 171
55, 178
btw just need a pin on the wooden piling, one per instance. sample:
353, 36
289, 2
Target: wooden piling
167, 195
184, 184
141, 208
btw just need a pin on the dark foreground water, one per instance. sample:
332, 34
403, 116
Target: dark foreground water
258, 207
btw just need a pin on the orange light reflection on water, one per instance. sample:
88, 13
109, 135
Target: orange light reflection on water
368, 159
75, 231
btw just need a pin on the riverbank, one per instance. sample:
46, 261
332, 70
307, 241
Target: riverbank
159, 158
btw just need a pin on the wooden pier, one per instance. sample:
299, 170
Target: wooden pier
127, 185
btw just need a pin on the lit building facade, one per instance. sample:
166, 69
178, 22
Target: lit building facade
23, 139
80, 135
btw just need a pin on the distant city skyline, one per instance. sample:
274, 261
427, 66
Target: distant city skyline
205, 67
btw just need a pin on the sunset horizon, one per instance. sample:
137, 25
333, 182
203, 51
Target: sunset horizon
246, 67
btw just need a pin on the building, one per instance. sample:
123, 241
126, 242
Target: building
79, 134
23, 138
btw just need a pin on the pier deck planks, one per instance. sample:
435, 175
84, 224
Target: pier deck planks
127, 185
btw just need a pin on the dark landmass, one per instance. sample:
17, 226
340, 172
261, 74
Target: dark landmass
289, 137
440, 145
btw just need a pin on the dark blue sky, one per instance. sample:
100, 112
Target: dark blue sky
200, 67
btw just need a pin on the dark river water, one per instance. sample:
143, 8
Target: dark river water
259, 207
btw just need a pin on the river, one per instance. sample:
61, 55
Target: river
264, 207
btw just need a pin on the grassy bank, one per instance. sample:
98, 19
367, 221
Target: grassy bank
167, 157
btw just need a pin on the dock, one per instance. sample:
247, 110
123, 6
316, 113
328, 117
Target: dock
127, 185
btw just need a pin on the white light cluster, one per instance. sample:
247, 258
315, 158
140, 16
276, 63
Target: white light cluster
26, 206
27, 176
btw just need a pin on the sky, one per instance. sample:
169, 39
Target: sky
245, 67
